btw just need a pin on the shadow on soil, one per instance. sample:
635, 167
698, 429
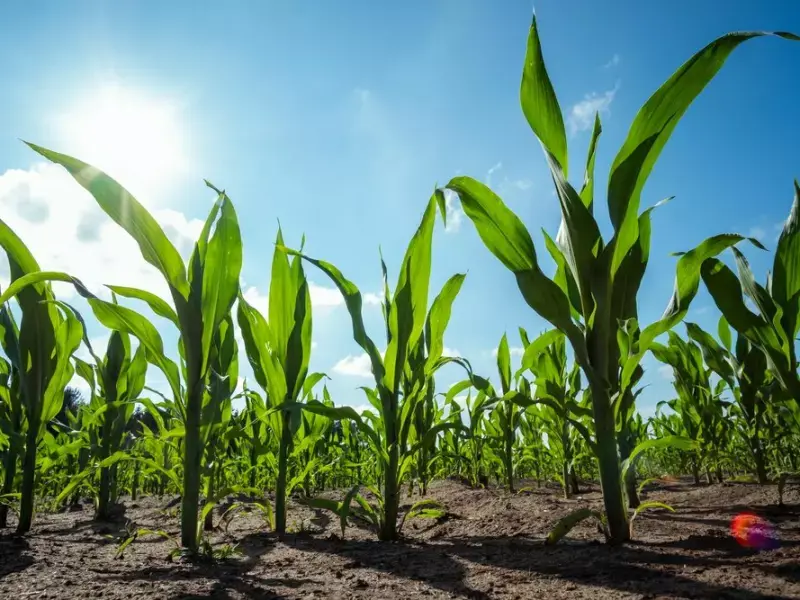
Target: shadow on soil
636, 568
409, 560
14, 554
228, 576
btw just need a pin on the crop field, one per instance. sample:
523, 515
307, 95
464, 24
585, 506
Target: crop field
548, 484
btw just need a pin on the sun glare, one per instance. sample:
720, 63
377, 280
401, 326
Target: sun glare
134, 138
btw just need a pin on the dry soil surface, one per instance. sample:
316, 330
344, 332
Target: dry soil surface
489, 546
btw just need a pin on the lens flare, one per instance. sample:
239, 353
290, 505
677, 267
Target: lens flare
751, 531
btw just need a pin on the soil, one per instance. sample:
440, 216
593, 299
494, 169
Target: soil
490, 545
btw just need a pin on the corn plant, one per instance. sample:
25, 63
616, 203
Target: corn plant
774, 327
596, 283
115, 382
500, 428
557, 390
279, 349
48, 336
414, 352
11, 415
477, 408
202, 297
744, 370
699, 403
427, 415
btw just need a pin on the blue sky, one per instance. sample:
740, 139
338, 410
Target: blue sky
339, 119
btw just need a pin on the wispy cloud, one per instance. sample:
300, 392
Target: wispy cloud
666, 372
507, 184
613, 62
522, 184
581, 115
491, 172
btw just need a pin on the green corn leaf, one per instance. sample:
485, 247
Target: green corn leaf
113, 316
563, 276
715, 356
587, 189
311, 381
724, 332
126, 211
650, 505
156, 304
672, 441
258, 340
687, 284
439, 317
568, 523
507, 238
221, 265
353, 301
298, 351
69, 334
653, 126
282, 299
758, 294
628, 279
578, 237
725, 288
504, 364
500, 229
535, 348
786, 268
539, 102
410, 300
344, 510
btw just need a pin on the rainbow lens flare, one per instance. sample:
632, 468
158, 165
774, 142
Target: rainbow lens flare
751, 531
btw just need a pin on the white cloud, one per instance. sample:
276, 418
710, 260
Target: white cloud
666, 372
454, 212
613, 62
452, 352
257, 300
354, 366
581, 115
513, 350
324, 296
65, 230
321, 297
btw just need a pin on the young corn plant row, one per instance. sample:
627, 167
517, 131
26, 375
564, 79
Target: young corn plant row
568, 413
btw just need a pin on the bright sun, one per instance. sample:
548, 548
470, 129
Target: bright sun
134, 138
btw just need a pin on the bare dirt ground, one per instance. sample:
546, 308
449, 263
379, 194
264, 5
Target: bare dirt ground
490, 546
